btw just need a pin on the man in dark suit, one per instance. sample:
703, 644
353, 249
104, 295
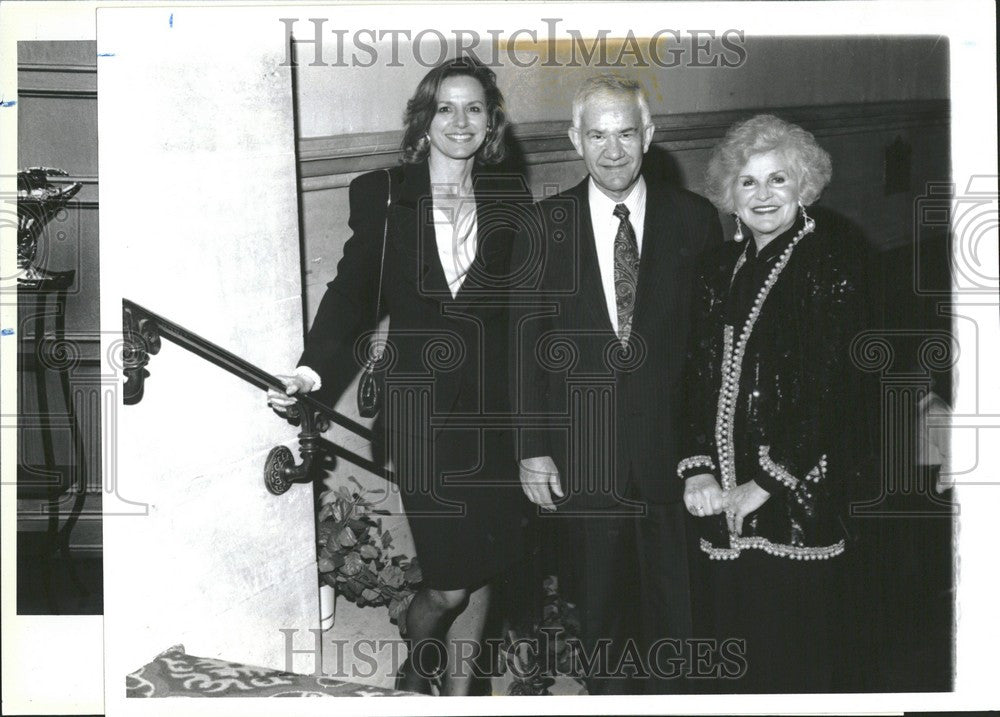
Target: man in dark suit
599, 361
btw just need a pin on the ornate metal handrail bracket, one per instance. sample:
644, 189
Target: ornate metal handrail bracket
280, 470
142, 331
142, 339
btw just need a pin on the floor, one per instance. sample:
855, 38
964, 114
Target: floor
903, 630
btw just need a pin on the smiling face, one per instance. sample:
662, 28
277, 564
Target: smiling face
459, 125
766, 195
611, 139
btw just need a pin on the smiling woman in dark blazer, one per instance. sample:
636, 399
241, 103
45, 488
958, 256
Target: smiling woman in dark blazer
772, 445
447, 241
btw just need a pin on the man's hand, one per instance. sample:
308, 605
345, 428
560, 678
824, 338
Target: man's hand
293, 384
741, 501
702, 495
540, 481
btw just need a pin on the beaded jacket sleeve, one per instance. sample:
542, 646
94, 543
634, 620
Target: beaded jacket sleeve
769, 397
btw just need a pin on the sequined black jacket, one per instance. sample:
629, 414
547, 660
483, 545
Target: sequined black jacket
770, 400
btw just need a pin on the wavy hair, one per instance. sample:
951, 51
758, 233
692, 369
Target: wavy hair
420, 110
760, 134
611, 83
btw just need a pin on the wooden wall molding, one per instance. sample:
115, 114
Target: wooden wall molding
332, 162
87, 344
57, 80
56, 67
57, 92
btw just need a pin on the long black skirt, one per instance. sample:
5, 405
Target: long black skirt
787, 614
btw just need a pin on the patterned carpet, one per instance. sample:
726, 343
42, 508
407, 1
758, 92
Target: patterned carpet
174, 673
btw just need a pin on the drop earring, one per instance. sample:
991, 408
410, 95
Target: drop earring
738, 236
810, 223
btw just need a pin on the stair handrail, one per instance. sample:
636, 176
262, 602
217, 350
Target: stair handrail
142, 331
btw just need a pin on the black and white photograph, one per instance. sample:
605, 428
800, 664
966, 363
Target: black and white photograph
528, 352
59, 566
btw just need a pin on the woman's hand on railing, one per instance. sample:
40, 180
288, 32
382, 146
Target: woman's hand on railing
294, 384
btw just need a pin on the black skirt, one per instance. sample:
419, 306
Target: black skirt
786, 612
463, 502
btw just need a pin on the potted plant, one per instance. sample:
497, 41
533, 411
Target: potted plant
355, 553
356, 559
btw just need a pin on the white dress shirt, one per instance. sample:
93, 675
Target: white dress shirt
605, 225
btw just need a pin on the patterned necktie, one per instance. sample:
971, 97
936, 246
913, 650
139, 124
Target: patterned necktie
626, 272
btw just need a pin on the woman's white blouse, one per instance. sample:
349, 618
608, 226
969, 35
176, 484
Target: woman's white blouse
456, 246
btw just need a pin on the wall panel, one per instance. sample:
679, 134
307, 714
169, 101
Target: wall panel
57, 127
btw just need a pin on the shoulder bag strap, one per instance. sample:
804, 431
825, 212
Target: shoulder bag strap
381, 266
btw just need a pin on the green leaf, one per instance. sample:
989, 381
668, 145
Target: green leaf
325, 565
349, 591
392, 576
395, 605
353, 564
397, 612
358, 525
346, 538
370, 595
413, 574
325, 512
368, 552
386, 540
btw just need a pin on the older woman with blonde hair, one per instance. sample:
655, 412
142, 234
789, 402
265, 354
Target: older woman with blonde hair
769, 450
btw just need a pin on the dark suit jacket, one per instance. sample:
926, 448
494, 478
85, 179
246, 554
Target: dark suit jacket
601, 413
456, 347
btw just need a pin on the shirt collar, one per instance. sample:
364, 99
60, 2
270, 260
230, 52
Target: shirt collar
603, 205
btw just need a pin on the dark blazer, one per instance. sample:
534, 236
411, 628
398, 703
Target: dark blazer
795, 426
604, 414
457, 346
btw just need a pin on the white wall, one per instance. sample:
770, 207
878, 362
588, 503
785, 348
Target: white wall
777, 72
199, 224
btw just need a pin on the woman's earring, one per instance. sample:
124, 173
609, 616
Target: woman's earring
809, 222
738, 236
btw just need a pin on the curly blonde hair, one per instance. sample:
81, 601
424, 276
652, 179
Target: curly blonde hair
760, 134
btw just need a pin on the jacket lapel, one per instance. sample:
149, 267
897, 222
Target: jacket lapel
413, 232
659, 249
591, 287
493, 241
